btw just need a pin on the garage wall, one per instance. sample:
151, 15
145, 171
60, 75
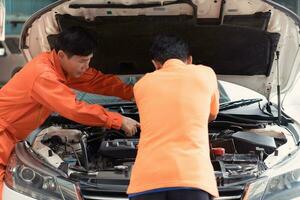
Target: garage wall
293, 5
18, 11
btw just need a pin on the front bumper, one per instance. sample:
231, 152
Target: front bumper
9, 194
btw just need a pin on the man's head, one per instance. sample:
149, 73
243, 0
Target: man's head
75, 47
167, 47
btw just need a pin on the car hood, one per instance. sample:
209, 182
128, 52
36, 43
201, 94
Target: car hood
251, 43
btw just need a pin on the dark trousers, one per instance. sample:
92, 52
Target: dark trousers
180, 194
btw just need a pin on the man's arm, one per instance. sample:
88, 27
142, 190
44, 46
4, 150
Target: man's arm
214, 103
94, 81
214, 106
56, 96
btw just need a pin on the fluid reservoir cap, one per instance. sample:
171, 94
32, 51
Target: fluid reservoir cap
218, 151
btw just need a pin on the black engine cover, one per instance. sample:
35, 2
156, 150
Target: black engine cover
119, 148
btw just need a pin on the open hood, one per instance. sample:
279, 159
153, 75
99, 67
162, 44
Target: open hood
2, 21
251, 43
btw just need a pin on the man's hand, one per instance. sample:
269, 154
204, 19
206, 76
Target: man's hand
129, 126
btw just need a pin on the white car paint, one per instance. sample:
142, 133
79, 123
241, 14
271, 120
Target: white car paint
9, 194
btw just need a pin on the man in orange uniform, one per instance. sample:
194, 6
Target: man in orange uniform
44, 86
175, 104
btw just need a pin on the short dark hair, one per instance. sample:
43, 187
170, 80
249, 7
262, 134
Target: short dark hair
76, 40
169, 46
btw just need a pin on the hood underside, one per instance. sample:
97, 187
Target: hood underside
238, 39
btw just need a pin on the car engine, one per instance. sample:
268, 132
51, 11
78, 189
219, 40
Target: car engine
96, 153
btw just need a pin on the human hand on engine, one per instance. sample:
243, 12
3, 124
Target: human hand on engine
129, 126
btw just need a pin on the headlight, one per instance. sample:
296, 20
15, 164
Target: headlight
285, 187
255, 191
35, 184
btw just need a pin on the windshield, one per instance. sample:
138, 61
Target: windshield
228, 92
236, 92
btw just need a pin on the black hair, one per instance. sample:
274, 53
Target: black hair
167, 46
76, 41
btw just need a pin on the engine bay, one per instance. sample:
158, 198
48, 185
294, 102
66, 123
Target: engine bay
103, 155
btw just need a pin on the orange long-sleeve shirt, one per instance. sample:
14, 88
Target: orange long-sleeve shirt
174, 104
41, 88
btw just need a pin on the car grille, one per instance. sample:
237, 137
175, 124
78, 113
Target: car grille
234, 193
88, 197
236, 197
103, 198
92, 194
97, 195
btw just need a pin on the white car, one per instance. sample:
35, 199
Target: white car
249, 43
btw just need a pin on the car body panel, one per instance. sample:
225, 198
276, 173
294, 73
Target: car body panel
8, 193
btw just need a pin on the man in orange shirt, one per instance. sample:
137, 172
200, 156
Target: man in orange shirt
44, 85
175, 104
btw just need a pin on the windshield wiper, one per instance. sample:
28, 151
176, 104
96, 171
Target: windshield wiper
239, 103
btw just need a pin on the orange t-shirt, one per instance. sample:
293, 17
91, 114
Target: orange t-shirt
174, 105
